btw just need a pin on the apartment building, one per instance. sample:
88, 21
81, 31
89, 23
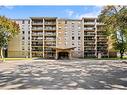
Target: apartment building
51, 37
20, 45
43, 30
95, 39
70, 39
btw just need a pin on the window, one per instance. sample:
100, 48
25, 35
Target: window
22, 48
22, 53
28, 48
23, 38
72, 43
28, 38
29, 22
79, 27
59, 43
59, 27
23, 22
23, 32
59, 38
65, 22
72, 25
28, 32
65, 33
72, 38
22, 43
78, 38
65, 43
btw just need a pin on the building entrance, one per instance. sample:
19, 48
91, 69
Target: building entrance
63, 55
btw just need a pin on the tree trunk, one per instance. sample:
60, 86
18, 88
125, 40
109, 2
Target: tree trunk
121, 54
2, 54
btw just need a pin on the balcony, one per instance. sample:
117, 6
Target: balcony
91, 39
36, 52
50, 38
37, 29
50, 34
102, 45
37, 44
50, 23
50, 29
36, 35
101, 49
37, 22
90, 44
89, 23
102, 40
85, 35
51, 44
89, 29
37, 48
37, 38
89, 50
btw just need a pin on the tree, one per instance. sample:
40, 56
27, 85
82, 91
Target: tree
8, 29
115, 18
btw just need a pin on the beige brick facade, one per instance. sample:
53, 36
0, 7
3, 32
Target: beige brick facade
51, 37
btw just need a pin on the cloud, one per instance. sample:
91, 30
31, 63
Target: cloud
69, 12
8, 7
86, 15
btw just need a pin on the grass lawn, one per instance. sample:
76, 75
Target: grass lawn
11, 59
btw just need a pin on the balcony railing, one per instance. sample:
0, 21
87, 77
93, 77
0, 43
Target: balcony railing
37, 38
50, 34
37, 28
48, 28
89, 34
37, 44
37, 23
91, 23
50, 23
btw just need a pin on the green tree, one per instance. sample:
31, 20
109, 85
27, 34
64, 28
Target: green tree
8, 29
115, 18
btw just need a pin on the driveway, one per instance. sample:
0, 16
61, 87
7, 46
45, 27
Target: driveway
64, 74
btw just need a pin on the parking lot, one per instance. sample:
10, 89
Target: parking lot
64, 74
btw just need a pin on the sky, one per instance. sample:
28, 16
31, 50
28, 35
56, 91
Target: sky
73, 12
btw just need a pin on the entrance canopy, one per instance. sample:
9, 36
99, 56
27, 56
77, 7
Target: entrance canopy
64, 53
71, 48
